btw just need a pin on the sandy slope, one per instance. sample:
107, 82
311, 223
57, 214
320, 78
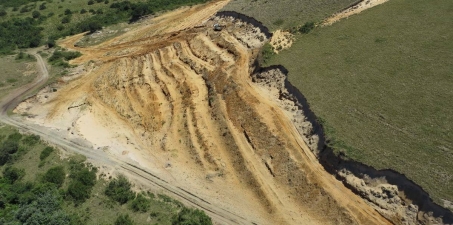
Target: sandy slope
177, 99
356, 9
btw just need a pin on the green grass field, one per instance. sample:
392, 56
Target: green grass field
383, 83
15, 73
288, 13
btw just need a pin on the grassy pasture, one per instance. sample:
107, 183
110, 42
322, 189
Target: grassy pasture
288, 13
15, 73
382, 82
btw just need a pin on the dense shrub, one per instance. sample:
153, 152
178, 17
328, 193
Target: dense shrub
46, 209
13, 174
83, 180
35, 14
60, 58
78, 191
45, 153
267, 53
307, 27
31, 139
140, 204
42, 6
7, 149
55, 175
15, 137
3, 12
30, 34
119, 189
124, 220
191, 217
66, 19
91, 2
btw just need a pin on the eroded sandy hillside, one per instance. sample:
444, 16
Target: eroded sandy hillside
178, 98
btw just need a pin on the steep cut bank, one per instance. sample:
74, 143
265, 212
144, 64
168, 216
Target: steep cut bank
389, 192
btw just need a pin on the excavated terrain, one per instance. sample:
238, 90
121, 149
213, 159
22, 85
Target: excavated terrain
189, 103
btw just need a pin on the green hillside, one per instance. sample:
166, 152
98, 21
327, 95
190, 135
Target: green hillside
382, 82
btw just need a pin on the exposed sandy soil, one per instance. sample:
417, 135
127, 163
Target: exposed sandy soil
356, 9
177, 98
281, 40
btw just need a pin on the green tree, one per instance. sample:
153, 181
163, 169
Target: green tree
13, 174
78, 191
42, 6
191, 217
35, 14
67, 12
119, 189
45, 210
66, 19
31, 140
55, 175
91, 2
307, 27
140, 204
8, 148
3, 13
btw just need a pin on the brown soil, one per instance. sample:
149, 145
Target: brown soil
355, 9
178, 99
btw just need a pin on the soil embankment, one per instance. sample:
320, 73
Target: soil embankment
177, 98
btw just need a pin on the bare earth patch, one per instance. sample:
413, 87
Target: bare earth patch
358, 8
281, 40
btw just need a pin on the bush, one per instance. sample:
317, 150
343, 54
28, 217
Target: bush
83, 11
42, 6
45, 153
13, 174
91, 2
266, 53
51, 43
66, 19
119, 190
3, 12
140, 204
7, 149
31, 140
191, 217
35, 14
83, 180
307, 27
124, 220
15, 137
78, 191
67, 12
46, 209
55, 175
